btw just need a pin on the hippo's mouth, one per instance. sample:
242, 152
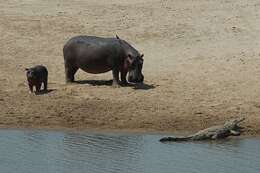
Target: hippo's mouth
134, 79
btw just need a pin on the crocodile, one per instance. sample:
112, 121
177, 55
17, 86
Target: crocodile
230, 128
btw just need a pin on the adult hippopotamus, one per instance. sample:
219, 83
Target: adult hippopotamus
99, 55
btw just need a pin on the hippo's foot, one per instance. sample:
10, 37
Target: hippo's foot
115, 85
125, 83
69, 78
69, 81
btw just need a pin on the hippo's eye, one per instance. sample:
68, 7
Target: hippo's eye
141, 64
130, 56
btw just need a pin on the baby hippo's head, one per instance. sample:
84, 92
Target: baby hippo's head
30, 74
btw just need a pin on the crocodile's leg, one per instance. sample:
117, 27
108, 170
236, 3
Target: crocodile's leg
214, 136
234, 133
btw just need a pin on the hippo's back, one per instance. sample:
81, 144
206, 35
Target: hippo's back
41, 71
88, 41
91, 54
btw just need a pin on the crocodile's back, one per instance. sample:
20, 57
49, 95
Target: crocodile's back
208, 133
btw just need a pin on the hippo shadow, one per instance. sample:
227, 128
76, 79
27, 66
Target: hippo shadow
96, 82
140, 86
143, 86
42, 92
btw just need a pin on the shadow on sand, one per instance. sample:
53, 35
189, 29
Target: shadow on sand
96, 82
141, 86
42, 92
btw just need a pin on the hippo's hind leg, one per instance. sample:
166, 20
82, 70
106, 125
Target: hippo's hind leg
70, 71
70, 67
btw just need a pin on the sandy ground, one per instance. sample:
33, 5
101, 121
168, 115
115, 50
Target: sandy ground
202, 64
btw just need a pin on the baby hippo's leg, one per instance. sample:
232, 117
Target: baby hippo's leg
38, 87
31, 87
45, 84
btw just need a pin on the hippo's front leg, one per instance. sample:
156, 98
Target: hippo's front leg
123, 78
115, 77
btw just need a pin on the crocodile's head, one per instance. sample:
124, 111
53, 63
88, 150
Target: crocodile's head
233, 124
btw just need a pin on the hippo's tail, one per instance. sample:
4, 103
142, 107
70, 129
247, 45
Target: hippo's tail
175, 139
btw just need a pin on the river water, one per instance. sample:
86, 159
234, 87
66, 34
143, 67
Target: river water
68, 152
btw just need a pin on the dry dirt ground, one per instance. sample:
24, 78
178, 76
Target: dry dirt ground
202, 64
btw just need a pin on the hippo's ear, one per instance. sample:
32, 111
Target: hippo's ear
118, 39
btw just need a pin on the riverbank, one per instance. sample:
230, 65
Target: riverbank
53, 112
201, 67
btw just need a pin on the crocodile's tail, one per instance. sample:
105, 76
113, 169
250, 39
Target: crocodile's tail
169, 139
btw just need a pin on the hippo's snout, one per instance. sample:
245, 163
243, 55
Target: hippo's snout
134, 79
142, 78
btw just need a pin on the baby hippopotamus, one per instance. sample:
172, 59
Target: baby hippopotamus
36, 76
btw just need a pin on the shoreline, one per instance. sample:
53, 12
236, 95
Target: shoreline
114, 131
